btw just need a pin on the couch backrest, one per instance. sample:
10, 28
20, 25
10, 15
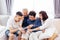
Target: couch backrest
3, 19
57, 24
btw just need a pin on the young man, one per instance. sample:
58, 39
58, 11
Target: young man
25, 14
15, 25
32, 23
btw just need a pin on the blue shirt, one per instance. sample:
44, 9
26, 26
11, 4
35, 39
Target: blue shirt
36, 23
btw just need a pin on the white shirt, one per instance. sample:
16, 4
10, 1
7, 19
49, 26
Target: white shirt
42, 22
49, 27
48, 24
11, 23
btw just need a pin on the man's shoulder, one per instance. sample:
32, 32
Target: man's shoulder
37, 19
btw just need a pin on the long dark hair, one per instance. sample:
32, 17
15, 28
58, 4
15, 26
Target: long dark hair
44, 15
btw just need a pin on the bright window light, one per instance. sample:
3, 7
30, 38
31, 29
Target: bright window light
36, 5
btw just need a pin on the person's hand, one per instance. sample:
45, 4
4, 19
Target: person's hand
30, 30
23, 31
43, 31
30, 26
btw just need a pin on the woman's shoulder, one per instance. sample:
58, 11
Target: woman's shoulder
49, 20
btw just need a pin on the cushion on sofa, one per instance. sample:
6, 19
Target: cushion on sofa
4, 19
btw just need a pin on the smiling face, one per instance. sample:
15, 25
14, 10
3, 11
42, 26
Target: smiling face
25, 12
18, 18
31, 17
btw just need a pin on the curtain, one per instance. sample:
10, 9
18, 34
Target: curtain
36, 5
9, 6
5, 7
57, 8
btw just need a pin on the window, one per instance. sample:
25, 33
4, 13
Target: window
36, 5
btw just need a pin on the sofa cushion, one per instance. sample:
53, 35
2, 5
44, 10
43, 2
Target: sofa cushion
3, 19
57, 24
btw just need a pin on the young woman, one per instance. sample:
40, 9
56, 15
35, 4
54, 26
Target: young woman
47, 29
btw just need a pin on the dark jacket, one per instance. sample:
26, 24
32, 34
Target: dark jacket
25, 24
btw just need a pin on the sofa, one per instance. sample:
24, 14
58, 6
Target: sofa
3, 28
3, 22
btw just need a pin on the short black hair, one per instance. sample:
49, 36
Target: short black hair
44, 15
19, 13
32, 13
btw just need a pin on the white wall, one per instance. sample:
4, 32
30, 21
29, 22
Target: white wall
3, 9
37, 5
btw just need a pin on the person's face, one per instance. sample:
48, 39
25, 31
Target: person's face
31, 17
25, 12
40, 16
18, 18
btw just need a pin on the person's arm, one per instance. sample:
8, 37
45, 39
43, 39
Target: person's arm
12, 30
21, 28
37, 23
34, 26
10, 27
36, 29
29, 26
31, 30
44, 26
